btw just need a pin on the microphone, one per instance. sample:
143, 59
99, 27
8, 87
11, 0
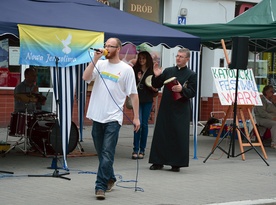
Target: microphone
104, 52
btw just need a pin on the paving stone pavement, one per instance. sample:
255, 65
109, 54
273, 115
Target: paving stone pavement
220, 180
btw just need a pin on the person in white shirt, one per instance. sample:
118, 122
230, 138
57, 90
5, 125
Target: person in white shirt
113, 81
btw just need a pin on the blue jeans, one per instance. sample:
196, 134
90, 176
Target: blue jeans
140, 137
105, 138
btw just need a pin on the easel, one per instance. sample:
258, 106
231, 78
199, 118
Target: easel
241, 109
238, 109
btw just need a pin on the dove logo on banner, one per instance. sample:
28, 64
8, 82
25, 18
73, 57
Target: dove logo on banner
66, 42
41, 45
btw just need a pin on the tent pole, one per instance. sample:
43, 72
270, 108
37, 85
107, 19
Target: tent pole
56, 173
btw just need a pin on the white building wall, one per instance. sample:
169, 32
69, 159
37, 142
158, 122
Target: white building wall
202, 12
207, 83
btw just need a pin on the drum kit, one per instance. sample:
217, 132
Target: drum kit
39, 130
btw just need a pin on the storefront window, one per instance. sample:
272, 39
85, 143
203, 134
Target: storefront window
270, 57
260, 70
44, 83
43, 76
9, 62
264, 69
49, 101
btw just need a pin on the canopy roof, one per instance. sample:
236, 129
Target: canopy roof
258, 23
93, 16
262, 36
262, 13
88, 15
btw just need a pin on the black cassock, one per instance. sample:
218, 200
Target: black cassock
170, 143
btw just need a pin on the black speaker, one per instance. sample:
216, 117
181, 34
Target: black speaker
239, 57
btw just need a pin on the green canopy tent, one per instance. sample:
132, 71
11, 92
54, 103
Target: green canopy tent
262, 36
262, 13
258, 23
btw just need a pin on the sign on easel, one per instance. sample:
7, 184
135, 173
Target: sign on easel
225, 81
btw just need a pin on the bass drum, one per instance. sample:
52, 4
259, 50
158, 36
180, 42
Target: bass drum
45, 137
21, 123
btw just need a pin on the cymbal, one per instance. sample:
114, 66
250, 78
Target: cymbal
26, 98
30, 97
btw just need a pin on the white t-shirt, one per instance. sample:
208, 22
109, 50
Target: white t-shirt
109, 92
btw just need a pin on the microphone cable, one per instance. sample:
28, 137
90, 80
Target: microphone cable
137, 167
117, 183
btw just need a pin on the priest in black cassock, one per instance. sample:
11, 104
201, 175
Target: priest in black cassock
170, 142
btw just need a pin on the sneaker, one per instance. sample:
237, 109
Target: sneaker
100, 194
110, 185
273, 146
